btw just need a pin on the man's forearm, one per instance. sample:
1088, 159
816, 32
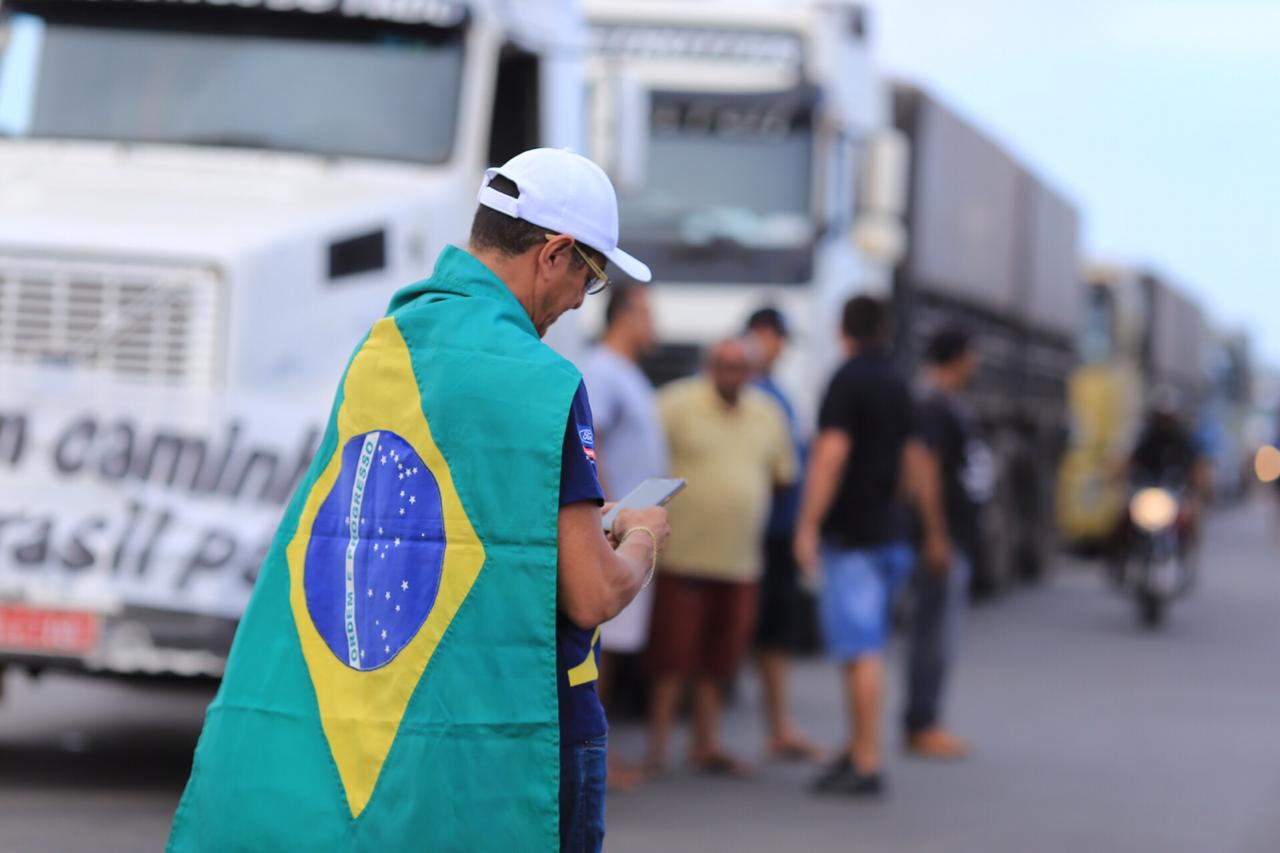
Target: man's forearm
826, 467
596, 579
627, 570
924, 488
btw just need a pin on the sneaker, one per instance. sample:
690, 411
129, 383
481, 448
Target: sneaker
843, 778
830, 777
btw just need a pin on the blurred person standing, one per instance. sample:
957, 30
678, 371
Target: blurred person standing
941, 591
866, 459
730, 441
630, 448
415, 667
775, 638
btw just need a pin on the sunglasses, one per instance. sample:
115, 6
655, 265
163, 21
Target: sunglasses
598, 280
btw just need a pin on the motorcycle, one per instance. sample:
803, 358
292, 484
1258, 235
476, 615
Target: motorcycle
1158, 563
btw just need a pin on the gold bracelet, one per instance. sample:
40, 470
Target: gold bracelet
653, 554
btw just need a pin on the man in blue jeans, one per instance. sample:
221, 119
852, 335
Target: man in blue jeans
597, 574
942, 591
866, 458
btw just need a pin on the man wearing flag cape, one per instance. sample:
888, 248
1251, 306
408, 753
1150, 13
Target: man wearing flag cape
416, 667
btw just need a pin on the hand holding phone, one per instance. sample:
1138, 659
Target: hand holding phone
655, 491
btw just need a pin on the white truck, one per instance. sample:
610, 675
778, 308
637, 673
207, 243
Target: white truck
203, 205
761, 159
752, 146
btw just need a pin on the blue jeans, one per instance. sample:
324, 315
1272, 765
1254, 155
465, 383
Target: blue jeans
940, 604
583, 767
858, 587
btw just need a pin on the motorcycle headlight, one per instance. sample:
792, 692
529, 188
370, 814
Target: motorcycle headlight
1153, 509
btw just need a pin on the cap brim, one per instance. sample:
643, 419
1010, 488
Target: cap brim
631, 266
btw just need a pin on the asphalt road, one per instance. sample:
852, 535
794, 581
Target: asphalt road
1091, 735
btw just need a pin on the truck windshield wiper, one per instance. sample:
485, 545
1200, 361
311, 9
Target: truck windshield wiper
237, 140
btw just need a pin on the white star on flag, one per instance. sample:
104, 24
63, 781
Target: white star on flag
412, 499
404, 585
388, 596
402, 493
384, 633
402, 510
397, 541
384, 460
397, 608
371, 592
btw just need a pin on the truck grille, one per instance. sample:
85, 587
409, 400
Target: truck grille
142, 321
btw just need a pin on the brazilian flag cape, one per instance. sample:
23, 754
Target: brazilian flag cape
392, 684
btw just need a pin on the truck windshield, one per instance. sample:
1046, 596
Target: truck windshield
1097, 330
727, 189
229, 77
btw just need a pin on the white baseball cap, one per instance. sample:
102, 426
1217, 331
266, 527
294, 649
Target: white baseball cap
565, 193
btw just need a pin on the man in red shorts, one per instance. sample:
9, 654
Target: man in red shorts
732, 444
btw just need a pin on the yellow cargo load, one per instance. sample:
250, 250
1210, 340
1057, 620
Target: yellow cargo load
1105, 401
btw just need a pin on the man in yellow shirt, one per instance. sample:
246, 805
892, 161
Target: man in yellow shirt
731, 442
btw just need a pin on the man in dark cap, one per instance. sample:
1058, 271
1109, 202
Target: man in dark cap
776, 627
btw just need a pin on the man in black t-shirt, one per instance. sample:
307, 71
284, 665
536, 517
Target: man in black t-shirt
866, 459
942, 591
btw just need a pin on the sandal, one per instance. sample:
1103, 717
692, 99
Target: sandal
720, 764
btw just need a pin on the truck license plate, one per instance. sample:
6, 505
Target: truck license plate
50, 632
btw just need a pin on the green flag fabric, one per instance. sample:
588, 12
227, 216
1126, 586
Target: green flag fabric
392, 685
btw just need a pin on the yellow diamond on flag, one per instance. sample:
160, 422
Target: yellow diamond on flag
382, 559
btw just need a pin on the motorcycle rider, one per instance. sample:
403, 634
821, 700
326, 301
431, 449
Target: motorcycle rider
1167, 453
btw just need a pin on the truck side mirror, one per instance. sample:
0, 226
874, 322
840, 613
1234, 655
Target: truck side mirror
882, 189
620, 110
20, 40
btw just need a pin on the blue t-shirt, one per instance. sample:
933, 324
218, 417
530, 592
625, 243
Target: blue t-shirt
786, 500
578, 650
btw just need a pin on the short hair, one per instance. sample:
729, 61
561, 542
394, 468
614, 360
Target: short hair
767, 317
947, 345
494, 230
865, 320
621, 297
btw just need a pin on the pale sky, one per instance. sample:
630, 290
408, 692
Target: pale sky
1161, 118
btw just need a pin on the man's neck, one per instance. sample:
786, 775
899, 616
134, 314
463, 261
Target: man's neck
504, 269
615, 341
942, 380
729, 402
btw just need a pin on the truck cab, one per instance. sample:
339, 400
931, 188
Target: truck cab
737, 134
203, 207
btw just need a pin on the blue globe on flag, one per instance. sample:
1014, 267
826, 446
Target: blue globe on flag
376, 552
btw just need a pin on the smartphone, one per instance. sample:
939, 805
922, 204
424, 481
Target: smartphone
655, 491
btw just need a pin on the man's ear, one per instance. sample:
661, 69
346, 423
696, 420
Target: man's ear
554, 255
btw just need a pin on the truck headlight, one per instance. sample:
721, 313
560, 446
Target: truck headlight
1153, 509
